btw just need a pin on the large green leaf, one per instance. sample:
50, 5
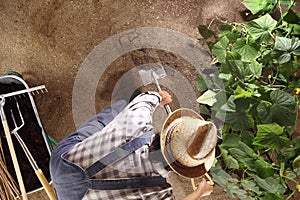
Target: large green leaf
238, 68
252, 161
269, 184
260, 6
250, 185
229, 184
260, 29
268, 135
247, 48
286, 47
207, 98
281, 109
236, 115
229, 161
220, 49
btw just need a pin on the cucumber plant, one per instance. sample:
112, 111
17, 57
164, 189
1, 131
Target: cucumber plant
254, 94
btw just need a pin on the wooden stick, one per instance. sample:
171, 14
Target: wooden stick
14, 159
210, 182
193, 184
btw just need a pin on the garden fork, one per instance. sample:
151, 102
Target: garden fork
39, 173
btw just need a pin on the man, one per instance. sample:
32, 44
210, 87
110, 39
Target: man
109, 156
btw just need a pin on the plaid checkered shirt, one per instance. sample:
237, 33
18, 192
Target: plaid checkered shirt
132, 122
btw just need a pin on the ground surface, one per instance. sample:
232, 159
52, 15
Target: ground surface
48, 41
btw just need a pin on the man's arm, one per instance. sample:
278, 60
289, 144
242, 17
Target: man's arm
137, 116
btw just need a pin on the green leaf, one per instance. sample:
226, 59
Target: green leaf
284, 107
286, 69
252, 161
263, 110
205, 32
225, 77
247, 48
241, 93
236, 115
204, 110
237, 68
270, 128
286, 44
268, 135
256, 69
207, 98
250, 185
247, 137
230, 140
226, 181
229, 161
287, 155
296, 161
272, 196
296, 142
269, 184
260, 29
295, 29
259, 6
285, 48
263, 169
201, 83
220, 49
228, 31
281, 109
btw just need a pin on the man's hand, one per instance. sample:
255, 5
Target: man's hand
203, 189
165, 98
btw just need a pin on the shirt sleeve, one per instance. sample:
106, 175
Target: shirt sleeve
136, 118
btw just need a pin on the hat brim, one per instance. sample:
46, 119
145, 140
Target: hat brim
188, 172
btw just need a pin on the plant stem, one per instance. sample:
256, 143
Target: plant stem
291, 195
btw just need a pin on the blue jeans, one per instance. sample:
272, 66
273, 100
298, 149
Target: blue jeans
69, 180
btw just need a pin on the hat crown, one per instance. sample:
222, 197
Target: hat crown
188, 143
191, 140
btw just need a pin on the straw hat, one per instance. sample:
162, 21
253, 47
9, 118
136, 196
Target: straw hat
188, 143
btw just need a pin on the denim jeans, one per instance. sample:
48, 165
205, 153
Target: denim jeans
70, 180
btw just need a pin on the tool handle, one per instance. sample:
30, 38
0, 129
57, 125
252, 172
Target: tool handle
48, 188
167, 106
210, 182
14, 159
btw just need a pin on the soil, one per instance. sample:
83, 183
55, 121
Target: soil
48, 42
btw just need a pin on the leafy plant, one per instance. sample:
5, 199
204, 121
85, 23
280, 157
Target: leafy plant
253, 98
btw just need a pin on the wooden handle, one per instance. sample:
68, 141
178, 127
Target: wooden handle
210, 182
14, 160
48, 188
